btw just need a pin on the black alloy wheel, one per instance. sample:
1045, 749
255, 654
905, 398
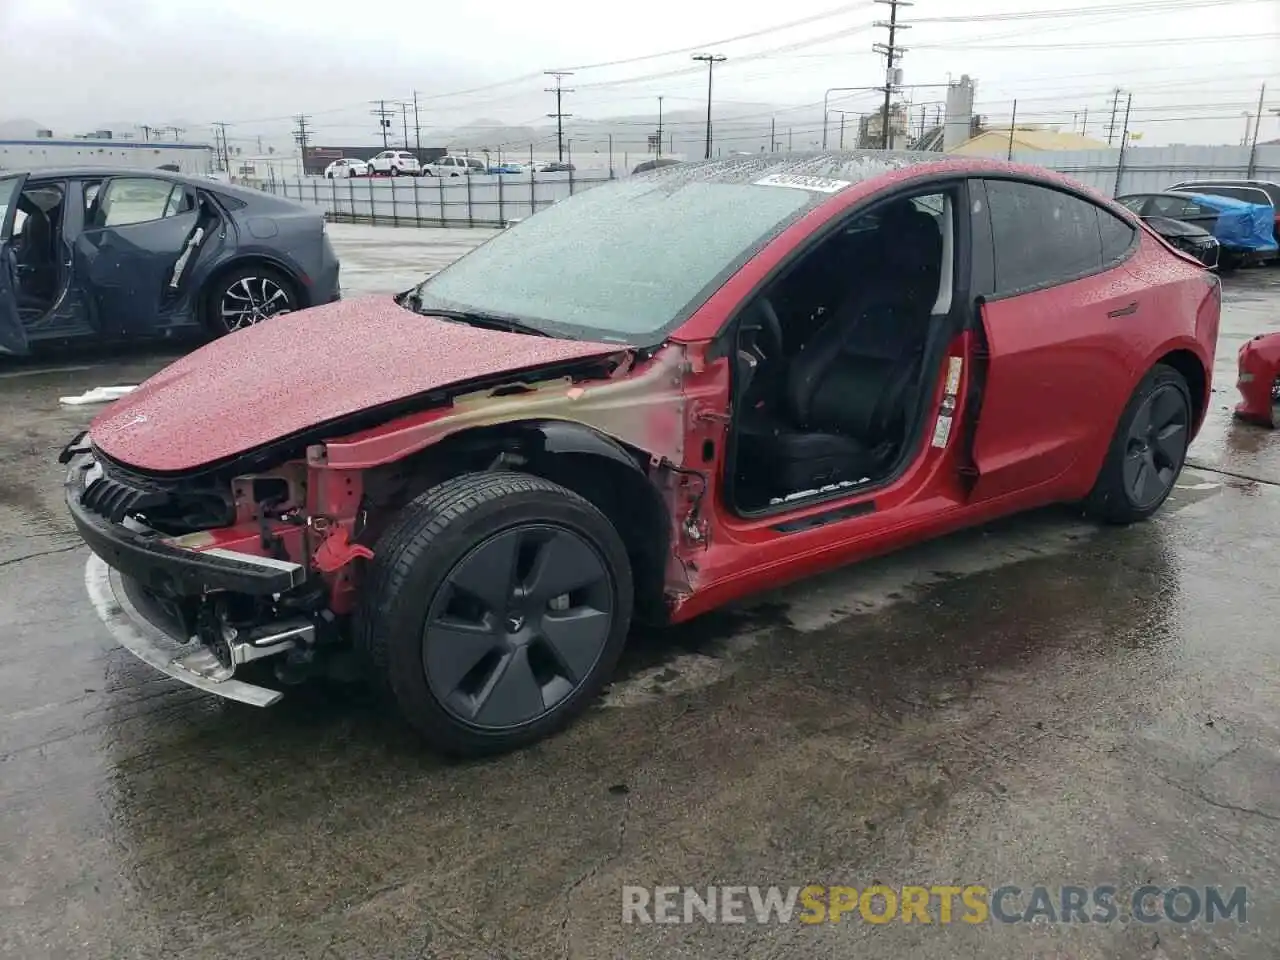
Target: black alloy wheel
249, 296
1147, 451
494, 610
517, 626
1156, 445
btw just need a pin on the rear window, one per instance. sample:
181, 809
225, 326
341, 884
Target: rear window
1246, 194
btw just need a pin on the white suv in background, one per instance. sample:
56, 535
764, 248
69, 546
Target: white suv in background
396, 163
454, 167
347, 167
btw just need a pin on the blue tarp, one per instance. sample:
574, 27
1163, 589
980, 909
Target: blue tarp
1240, 225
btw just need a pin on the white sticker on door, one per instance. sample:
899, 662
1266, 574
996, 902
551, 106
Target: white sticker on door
942, 431
954, 366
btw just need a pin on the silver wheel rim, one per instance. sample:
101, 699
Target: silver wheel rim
251, 299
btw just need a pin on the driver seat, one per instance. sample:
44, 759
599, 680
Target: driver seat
846, 392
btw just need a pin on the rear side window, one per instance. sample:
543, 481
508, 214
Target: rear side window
1117, 236
1042, 236
138, 200
1245, 194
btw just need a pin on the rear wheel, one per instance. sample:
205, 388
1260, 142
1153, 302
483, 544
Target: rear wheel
246, 296
495, 610
1147, 452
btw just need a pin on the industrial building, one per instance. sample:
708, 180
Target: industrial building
190, 158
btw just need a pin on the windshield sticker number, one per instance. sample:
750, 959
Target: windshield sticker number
820, 184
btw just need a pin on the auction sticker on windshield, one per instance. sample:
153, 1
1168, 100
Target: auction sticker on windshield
820, 184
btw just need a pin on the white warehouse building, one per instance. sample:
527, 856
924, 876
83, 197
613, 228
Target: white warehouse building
41, 153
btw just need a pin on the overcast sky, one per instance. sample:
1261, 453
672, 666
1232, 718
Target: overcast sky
1194, 66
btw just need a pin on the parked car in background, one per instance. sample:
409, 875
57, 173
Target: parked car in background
1187, 237
395, 163
765, 369
508, 168
555, 166
1243, 230
455, 167
112, 254
647, 165
347, 167
1246, 190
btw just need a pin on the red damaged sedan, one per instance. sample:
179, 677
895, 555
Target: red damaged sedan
651, 399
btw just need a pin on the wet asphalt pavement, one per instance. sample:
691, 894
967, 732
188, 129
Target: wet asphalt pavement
1037, 702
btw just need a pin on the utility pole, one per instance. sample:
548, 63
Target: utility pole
259, 143
1257, 125
710, 59
1124, 138
892, 52
659, 126
404, 119
1013, 125
559, 115
773, 134
417, 127
382, 113
220, 128
1115, 107
302, 136
1084, 123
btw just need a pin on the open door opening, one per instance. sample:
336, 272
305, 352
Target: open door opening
838, 357
13, 338
37, 249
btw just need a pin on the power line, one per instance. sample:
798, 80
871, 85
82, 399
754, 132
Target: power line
559, 115
710, 59
891, 52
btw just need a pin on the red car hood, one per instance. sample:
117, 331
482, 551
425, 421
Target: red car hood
305, 369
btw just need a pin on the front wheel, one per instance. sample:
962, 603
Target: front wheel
246, 296
1147, 451
495, 610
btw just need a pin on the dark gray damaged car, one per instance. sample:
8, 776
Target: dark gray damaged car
114, 255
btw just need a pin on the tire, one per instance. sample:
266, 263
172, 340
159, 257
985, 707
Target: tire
418, 612
395, 171
1147, 452
254, 283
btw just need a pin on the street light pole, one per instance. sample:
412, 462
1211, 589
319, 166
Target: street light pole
710, 59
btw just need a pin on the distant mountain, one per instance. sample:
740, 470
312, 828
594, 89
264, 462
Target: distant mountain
19, 129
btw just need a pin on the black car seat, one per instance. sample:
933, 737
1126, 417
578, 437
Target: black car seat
35, 255
854, 375
846, 392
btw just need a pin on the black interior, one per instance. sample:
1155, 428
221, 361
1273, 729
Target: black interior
830, 357
36, 248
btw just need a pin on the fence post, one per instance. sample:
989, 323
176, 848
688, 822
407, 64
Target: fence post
395, 215
417, 212
502, 218
351, 199
440, 185
333, 197
373, 204
315, 193
470, 214
533, 185
571, 179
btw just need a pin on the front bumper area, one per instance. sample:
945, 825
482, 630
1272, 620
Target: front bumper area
133, 565
148, 557
191, 663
